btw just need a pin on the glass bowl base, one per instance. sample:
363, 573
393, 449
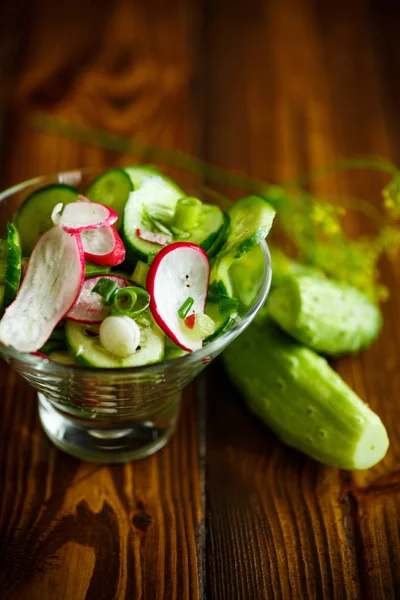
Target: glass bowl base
85, 441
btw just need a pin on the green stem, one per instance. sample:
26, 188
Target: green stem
147, 152
187, 212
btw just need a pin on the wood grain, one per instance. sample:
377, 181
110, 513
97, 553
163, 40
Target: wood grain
265, 88
302, 90
70, 529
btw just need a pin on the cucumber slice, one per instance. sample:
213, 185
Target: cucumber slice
152, 206
137, 173
154, 193
12, 277
34, 216
111, 189
246, 275
86, 349
223, 320
220, 239
251, 219
62, 356
3, 268
210, 225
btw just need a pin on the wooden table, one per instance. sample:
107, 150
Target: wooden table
265, 88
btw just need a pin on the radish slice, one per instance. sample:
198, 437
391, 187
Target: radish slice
52, 283
103, 246
80, 216
157, 238
89, 307
179, 270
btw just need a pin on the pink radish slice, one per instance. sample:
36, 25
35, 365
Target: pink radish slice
52, 283
89, 307
40, 355
103, 246
80, 216
157, 238
178, 271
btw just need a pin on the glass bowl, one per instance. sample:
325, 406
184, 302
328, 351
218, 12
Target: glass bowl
114, 415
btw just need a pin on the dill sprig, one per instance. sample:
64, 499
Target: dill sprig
313, 225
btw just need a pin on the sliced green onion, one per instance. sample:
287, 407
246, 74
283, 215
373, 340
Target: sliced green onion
186, 306
106, 288
157, 222
187, 213
139, 275
1, 295
228, 304
151, 257
125, 301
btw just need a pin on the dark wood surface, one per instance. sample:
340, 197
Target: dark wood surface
265, 88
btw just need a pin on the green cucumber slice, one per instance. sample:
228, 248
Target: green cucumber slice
87, 350
251, 219
34, 217
152, 206
220, 239
3, 268
223, 320
112, 189
62, 356
137, 173
12, 277
154, 194
246, 274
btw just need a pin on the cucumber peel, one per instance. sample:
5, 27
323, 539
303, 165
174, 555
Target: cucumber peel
13, 267
251, 219
329, 316
34, 217
303, 400
112, 189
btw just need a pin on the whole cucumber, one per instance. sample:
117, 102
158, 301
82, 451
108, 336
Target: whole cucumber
303, 400
329, 316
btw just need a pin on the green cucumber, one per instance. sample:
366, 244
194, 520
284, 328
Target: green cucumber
34, 216
112, 189
12, 277
223, 319
86, 348
62, 356
246, 275
251, 219
154, 193
137, 173
172, 350
3, 268
303, 400
284, 267
329, 316
152, 208
219, 238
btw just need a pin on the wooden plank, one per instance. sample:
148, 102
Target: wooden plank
300, 89
70, 529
